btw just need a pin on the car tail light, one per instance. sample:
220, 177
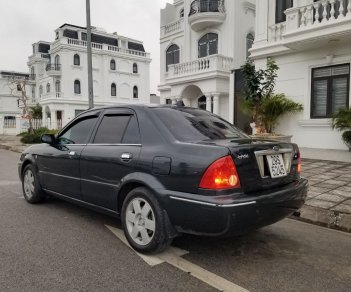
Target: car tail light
298, 162
221, 174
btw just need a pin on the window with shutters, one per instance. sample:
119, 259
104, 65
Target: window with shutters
330, 90
172, 55
208, 45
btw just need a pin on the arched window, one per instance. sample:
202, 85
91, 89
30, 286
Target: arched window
135, 92
172, 55
135, 68
76, 60
77, 87
40, 90
48, 88
32, 73
33, 92
181, 13
57, 60
113, 89
249, 42
58, 86
113, 65
208, 45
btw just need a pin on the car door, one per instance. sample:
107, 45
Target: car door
58, 164
112, 154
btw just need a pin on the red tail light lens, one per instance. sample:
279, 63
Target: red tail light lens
298, 162
220, 175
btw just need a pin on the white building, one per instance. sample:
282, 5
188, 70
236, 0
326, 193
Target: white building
311, 41
121, 72
201, 42
9, 106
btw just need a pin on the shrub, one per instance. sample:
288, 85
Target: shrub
28, 138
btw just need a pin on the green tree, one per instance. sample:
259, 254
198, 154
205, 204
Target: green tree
36, 111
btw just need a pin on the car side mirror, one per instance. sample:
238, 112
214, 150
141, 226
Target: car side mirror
48, 139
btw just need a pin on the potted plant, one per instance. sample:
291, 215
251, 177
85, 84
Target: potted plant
341, 121
262, 103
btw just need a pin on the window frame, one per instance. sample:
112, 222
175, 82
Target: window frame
280, 15
329, 89
74, 86
135, 68
208, 42
113, 87
116, 112
76, 57
48, 88
113, 68
172, 52
78, 120
135, 89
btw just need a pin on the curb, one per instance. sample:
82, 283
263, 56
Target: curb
18, 149
326, 218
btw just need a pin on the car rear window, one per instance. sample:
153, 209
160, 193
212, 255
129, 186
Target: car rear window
190, 125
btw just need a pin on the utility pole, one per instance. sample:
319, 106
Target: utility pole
90, 63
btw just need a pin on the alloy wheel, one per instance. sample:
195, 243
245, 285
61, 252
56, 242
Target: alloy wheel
28, 182
140, 221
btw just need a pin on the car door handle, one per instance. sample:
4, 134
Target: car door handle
126, 157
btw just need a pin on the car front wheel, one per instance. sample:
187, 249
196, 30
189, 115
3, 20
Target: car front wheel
143, 222
30, 184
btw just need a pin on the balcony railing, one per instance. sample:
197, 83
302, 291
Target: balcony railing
172, 27
324, 11
201, 6
97, 46
53, 67
207, 64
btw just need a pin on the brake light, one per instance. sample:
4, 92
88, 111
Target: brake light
221, 174
298, 162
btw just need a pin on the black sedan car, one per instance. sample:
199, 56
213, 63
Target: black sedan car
166, 170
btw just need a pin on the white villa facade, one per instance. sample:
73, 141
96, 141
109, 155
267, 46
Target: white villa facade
311, 43
201, 42
9, 106
121, 72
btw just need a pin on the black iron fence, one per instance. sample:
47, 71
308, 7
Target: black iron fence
53, 67
199, 6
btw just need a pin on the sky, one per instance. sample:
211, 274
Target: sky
24, 22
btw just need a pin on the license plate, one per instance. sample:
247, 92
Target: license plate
276, 165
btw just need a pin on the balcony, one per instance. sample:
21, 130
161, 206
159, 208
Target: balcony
211, 66
98, 47
53, 69
172, 28
206, 13
309, 26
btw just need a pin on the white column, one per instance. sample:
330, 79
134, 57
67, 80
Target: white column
208, 102
262, 22
231, 98
216, 103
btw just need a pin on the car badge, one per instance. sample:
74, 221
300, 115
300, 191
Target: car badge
276, 148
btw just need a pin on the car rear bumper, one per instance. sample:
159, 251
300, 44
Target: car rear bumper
233, 214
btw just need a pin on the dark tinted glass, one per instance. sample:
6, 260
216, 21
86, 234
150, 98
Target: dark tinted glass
189, 125
132, 134
79, 132
111, 129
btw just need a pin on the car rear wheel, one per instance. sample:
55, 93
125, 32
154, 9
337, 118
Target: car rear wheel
143, 222
30, 184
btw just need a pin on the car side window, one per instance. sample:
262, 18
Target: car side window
118, 129
79, 132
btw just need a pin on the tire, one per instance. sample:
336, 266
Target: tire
143, 222
32, 191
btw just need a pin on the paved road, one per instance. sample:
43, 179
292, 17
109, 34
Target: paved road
57, 246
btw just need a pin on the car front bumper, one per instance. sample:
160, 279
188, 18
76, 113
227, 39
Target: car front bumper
232, 214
